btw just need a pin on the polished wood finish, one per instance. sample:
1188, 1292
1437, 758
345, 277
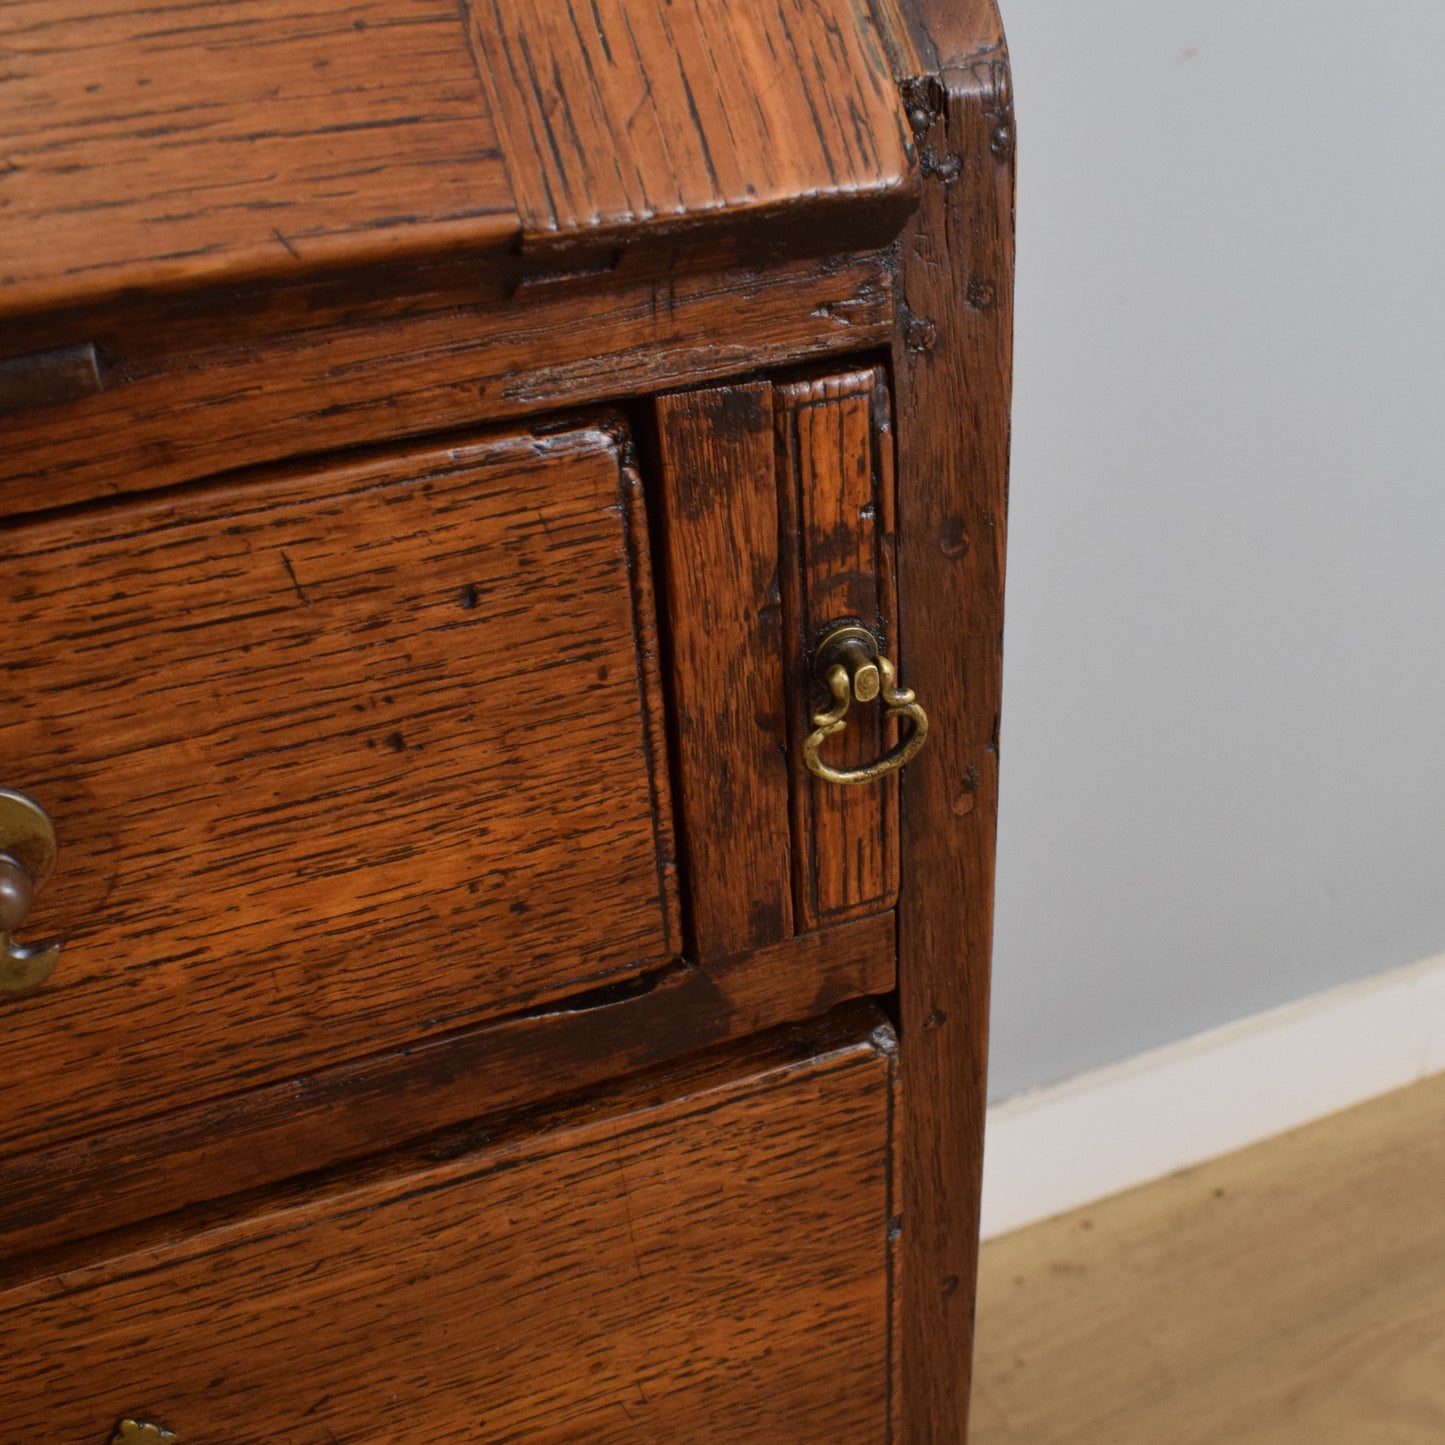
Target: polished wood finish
249, 1139
622, 118
179, 143
719, 543
182, 144
777, 519
703, 1256
274, 374
357, 755
952, 370
322, 1002
1294, 1291
835, 483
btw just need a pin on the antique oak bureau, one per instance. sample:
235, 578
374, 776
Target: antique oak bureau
503, 513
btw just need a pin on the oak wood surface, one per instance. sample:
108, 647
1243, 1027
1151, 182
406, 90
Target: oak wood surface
106, 1180
305, 369
929, 37
835, 484
719, 545
1291, 1292
620, 116
184, 144
704, 1258
352, 757
419, 286
952, 359
180, 142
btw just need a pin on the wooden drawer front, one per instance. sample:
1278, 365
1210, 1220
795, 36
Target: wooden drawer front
706, 1260
835, 489
777, 525
336, 761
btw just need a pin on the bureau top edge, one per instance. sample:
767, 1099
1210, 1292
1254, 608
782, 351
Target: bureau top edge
189, 145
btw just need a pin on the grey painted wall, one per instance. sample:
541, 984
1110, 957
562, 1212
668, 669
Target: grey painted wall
1223, 774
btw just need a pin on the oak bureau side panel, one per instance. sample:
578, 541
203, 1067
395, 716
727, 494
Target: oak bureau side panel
952, 366
705, 1258
337, 761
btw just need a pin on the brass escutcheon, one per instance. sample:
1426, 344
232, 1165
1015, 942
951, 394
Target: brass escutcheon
853, 668
27, 854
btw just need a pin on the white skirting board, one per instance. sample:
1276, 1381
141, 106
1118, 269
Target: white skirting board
1053, 1149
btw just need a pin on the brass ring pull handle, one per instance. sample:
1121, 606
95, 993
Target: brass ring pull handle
851, 666
27, 854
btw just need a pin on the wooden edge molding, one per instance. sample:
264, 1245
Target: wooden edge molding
306, 371
634, 119
952, 358
246, 1141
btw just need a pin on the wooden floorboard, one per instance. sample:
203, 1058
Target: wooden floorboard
1290, 1294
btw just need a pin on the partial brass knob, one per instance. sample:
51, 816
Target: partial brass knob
852, 668
142, 1432
27, 854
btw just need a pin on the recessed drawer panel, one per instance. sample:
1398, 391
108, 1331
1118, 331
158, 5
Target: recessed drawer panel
335, 761
702, 1259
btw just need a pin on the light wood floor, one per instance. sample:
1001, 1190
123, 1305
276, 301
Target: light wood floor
1290, 1294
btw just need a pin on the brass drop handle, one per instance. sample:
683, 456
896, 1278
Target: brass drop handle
851, 666
27, 854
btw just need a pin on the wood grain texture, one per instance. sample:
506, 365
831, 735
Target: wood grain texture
1294, 1291
719, 545
106, 1181
952, 369
931, 36
187, 145
301, 370
835, 484
703, 1258
179, 143
231, 344
346, 758
622, 118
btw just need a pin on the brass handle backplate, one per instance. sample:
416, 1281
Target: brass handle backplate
852, 667
27, 854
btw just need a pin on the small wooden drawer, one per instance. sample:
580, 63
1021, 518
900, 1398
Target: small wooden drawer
337, 761
704, 1257
777, 514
